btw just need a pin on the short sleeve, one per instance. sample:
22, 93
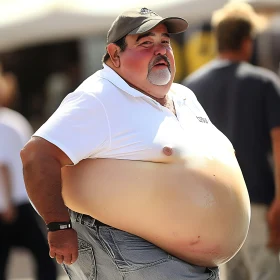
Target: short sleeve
79, 127
272, 102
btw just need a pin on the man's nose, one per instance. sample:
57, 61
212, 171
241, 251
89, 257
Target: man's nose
160, 49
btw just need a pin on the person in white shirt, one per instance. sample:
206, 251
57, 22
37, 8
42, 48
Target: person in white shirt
19, 226
153, 189
8, 89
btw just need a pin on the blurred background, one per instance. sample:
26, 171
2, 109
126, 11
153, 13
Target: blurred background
50, 46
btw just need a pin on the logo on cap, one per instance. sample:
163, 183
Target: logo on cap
145, 11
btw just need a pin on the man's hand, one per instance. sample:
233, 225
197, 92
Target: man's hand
63, 245
273, 218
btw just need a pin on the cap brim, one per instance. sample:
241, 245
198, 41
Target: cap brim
173, 24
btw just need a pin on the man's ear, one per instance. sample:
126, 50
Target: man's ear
113, 51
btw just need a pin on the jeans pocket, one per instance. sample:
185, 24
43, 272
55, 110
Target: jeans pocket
129, 251
85, 266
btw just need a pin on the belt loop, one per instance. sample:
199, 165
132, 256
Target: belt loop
87, 220
83, 219
75, 216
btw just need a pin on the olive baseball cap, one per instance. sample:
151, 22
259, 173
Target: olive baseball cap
141, 20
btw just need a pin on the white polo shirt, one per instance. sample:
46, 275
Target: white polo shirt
10, 146
106, 118
17, 121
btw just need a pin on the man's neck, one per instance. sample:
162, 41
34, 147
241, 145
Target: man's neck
232, 56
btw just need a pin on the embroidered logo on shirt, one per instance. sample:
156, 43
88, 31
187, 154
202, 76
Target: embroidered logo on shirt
202, 120
194, 109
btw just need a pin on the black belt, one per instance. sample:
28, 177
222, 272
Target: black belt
86, 219
98, 223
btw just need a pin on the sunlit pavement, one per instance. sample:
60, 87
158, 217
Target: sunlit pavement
21, 267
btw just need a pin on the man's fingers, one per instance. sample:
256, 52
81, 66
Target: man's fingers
52, 254
74, 257
63, 259
59, 259
67, 260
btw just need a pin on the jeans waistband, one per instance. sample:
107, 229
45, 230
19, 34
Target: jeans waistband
84, 219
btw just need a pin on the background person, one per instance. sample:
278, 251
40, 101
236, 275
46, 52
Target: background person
18, 223
243, 101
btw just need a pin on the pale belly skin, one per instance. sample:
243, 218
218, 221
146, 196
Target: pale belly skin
195, 207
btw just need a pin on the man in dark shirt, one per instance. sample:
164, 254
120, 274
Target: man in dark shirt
243, 101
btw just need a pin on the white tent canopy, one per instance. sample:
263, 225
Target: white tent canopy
28, 22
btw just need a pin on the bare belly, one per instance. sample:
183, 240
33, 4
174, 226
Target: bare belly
194, 208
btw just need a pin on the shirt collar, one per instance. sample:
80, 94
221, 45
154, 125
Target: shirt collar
110, 75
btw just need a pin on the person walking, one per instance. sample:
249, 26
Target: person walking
19, 225
129, 175
243, 102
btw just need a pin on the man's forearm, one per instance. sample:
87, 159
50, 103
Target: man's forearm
276, 159
277, 176
7, 184
42, 178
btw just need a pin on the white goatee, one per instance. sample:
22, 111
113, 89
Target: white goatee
159, 77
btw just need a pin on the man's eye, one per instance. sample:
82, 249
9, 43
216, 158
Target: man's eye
146, 43
166, 42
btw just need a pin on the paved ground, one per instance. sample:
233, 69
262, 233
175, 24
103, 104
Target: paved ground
21, 266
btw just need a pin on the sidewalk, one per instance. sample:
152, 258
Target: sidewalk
21, 266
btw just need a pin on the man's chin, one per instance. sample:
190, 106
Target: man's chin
160, 83
160, 77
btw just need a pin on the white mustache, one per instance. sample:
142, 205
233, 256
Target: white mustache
158, 59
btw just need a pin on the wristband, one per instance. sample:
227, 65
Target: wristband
54, 226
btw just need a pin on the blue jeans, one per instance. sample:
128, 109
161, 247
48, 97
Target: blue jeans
106, 253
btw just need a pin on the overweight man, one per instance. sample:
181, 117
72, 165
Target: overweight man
129, 174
